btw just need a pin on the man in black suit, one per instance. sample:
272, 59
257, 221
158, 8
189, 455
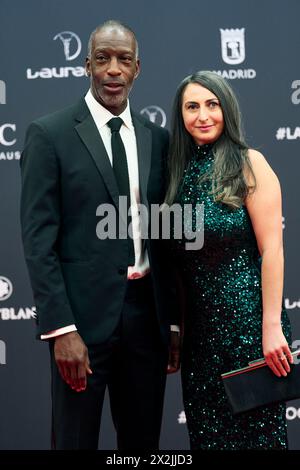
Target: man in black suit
104, 304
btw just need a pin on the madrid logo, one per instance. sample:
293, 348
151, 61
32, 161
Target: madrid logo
68, 38
6, 288
155, 114
233, 53
233, 45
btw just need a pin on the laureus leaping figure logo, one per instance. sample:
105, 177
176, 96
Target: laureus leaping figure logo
66, 38
155, 114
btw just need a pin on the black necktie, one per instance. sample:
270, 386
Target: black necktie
121, 173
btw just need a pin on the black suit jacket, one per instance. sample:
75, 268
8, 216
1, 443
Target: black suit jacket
66, 175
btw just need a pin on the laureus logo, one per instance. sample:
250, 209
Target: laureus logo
233, 45
6, 288
155, 114
72, 48
71, 42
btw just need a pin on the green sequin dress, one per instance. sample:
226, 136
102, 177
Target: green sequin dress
223, 323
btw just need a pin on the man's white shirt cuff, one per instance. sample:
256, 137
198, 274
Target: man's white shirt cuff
59, 331
175, 328
68, 329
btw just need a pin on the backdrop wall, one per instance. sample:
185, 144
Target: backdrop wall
42, 48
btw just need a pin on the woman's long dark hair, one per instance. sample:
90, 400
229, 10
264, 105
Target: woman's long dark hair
231, 159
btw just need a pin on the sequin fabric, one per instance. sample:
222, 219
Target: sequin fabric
223, 323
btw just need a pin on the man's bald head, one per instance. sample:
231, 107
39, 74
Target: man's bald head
112, 25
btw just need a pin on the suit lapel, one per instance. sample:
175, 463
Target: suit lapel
88, 132
144, 149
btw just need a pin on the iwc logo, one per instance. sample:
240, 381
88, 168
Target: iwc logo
68, 38
5, 139
155, 114
8, 139
6, 288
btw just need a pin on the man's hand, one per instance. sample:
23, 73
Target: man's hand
174, 353
72, 359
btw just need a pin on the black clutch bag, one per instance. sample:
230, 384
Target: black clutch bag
256, 385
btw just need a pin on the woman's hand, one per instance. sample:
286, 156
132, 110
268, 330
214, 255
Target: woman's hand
276, 350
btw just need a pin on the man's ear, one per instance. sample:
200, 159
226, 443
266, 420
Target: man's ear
88, 66
138, 68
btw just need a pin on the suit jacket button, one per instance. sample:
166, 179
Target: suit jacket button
122, 271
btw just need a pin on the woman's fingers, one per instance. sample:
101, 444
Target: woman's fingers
273, 366
279, 361
287, 352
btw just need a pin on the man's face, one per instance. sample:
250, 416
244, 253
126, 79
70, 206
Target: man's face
112, 67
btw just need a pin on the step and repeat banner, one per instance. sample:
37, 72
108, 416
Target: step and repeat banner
43, 43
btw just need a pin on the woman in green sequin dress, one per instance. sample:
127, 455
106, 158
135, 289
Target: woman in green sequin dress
234, 283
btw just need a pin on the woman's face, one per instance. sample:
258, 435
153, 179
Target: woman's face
202, 114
